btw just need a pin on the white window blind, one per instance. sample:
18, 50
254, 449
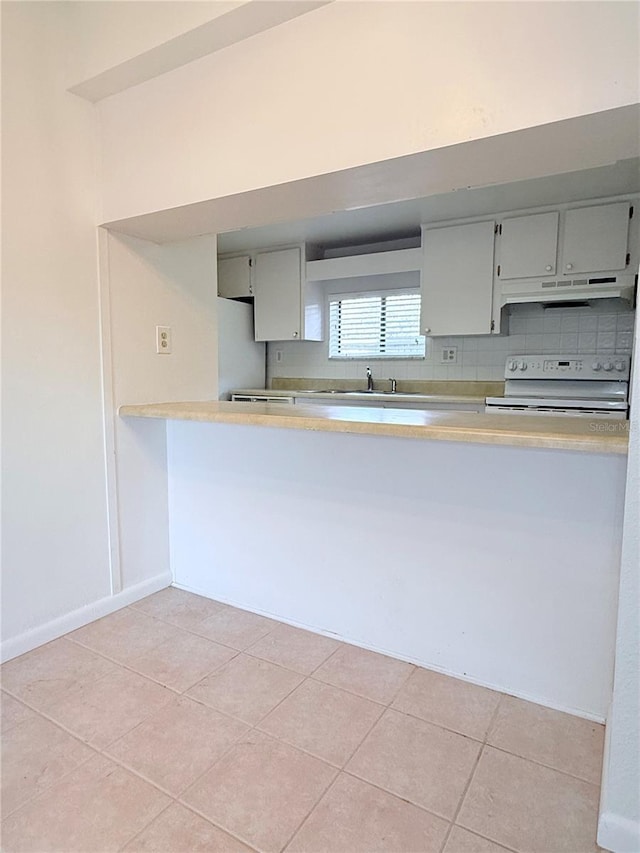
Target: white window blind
383, 324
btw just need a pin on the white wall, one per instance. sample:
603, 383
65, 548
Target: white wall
619, 825
55, 543
355, 83
71, 550
106, 33
146, 285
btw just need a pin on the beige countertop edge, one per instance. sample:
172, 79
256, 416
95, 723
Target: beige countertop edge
506, 430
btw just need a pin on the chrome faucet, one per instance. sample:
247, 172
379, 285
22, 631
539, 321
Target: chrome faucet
369, 379
394, 385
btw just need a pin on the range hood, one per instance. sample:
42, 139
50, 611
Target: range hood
580, 289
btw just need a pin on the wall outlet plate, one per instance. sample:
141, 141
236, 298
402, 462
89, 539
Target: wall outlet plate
448, 355
163, 340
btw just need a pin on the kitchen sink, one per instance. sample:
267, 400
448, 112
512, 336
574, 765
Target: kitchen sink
387, 393
363, 391
326, 391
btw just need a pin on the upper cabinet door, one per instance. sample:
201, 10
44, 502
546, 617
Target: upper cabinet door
596, 238
234, 277
529, 245
457, 279
278, 295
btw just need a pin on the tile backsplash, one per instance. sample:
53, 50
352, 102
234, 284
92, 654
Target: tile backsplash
607, 327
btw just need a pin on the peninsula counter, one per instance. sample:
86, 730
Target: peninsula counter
595, 436
483, 546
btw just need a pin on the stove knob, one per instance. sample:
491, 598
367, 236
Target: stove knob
608, 365
512, 365
596, 365
620, 365
523, 365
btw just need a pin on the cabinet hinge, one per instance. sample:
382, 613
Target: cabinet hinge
250, 262
628, 260
493, 325
496, 230
631, 212
498, 269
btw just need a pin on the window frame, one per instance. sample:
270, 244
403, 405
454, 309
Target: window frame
382, 293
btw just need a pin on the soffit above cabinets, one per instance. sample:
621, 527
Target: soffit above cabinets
588, 157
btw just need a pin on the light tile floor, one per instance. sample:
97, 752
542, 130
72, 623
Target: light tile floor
180, 724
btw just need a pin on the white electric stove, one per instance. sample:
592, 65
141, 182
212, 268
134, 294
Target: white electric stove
592, 386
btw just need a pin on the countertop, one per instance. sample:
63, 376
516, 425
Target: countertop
555, 433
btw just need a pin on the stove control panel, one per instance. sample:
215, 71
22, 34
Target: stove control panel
568, 367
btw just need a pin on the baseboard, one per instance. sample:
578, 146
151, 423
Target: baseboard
500, 688
15, 646
615, 833
618, 833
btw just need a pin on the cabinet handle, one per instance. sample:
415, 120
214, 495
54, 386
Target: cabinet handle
548, 267
426, 331
569, 266
295, 334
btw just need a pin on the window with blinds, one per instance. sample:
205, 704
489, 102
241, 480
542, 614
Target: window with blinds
383, 324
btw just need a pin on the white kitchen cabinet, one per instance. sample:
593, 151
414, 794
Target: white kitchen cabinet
457, 279
528, 245
286, 307
234, 277
596, 238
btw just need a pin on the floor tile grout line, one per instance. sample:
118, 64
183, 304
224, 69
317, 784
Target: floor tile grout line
304, 678
239, 652
322, 796
145, 827
542, 764
494, 718
247, 650
473, 772
217, 825
31, 799
270, 711
484, 837
317, 680
190, 631
297, 672
221, 608
120, 762
103, 750
338, 767
462, 796
201, 814
130, 667
395, 794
